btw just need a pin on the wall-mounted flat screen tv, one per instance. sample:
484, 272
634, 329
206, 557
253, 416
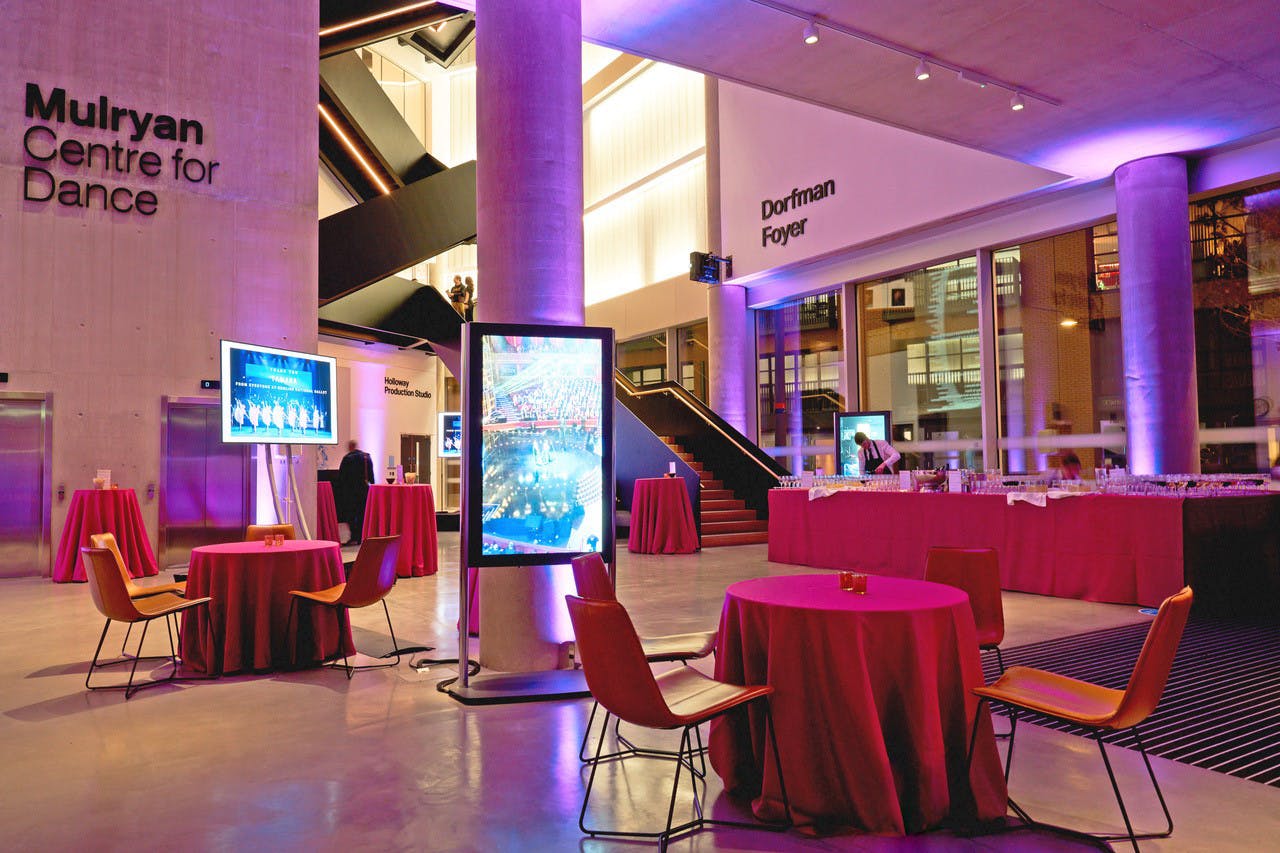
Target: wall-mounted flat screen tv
450, 435
276, 396
849, 424
538, 442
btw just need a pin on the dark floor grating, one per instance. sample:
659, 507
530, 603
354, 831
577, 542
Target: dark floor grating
1221, 707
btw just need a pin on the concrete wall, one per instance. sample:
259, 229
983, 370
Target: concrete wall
110, 311
381, 397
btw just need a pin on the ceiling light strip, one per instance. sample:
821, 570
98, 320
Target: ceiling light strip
869, 38
353, 150
410, 7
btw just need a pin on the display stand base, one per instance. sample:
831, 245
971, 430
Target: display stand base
505, 687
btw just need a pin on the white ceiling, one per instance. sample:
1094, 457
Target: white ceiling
1133, 77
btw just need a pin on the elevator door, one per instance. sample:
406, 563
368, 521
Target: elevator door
25, 431
205, 493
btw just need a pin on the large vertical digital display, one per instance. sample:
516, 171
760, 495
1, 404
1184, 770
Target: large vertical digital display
538, 442
849, 424
276, 396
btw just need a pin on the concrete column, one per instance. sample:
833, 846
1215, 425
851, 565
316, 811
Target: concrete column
529, 240
1157, 310
729, 339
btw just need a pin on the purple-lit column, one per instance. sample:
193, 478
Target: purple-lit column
731, 350
1158, 316
529, 240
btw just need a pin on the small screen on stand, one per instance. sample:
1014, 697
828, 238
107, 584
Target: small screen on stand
849, 424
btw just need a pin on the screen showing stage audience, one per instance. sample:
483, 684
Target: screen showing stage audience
275, 396
542, 445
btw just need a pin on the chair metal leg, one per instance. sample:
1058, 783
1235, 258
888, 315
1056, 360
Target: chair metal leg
1008, 755
1132, 836
586, 733
777, 763
1124, 813
1168, 818
394, 644
94, 663
128, 628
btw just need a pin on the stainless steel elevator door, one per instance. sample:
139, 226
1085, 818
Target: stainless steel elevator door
205, 491
24, 486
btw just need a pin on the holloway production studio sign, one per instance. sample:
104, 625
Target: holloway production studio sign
65, 170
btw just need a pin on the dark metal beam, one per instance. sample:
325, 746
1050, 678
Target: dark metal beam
353, 90
392, 232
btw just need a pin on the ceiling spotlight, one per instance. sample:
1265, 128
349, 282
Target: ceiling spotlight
922, 70
1016, 103
811, 33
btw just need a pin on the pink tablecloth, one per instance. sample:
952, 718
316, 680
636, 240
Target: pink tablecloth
872, 704
409, 511
249, 583
103, 511
1115, 548
662, 518
326, 513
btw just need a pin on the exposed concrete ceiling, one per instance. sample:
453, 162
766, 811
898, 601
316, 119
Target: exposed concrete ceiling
1132, 77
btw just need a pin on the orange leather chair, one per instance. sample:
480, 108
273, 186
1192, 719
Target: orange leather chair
591, 579
259, 532
108, 541
371, 578
977, 572
113, 601
1101, 709
620, 679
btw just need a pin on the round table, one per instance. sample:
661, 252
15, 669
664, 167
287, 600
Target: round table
103, 511
326, 513
410, 512
249, 583
662, 518
872, 704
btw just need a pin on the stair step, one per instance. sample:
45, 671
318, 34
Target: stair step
728, 515
710, 485
687, 457
697, 466
667, 439
716, 495
717, 540
705, 475
711, 528
724, 503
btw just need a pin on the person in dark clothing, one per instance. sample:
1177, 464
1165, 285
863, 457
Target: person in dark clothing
355, 473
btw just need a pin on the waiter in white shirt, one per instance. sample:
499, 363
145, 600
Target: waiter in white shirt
877, 457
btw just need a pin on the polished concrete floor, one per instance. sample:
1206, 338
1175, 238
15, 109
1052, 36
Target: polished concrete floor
309, 760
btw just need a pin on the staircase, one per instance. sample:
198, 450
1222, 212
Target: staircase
725, 519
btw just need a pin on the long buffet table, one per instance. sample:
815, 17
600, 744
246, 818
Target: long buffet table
1124, 549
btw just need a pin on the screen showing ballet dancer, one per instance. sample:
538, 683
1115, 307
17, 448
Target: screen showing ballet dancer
450, 429
276, 396
538, 438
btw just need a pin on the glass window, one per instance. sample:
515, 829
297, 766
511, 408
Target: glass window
797, 407
1235, 267
1058, 354
919, 353
692, 353
644, 360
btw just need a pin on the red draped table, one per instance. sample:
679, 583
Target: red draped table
1124, 549
326, 513
410, 512
872, 704
662, 518
104, 511
249, 583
